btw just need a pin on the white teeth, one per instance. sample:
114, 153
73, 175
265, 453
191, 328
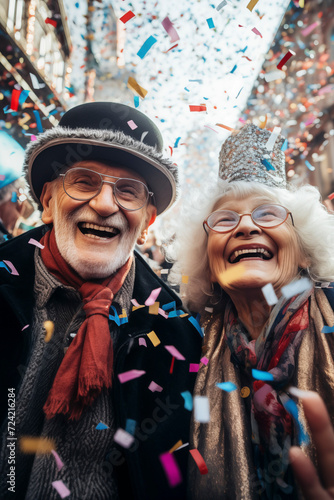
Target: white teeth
89, 225
96, 237
249, 250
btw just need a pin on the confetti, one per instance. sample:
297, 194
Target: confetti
234, 68
155, 387
154, 338
245, 392
154, 308
126, 17
13, 270
267, 164
153, 297
172, 365
49, 328
252, 4
30, 445
296, 287
185, 279
130, 375
168, 25
196, 325
174, 352
306, 31
176, 446
171, 469
221, 5
123, 438
239, 93
134, 85
204, 360
199, 461
38, 121
142, 341
188, 400
228, 277
210, 23
176, 143
193, 367
292, 408
331, 196
26, 326
328, 329
51, 21
272, 138
256, 31
35, 242
309, 166
226, 386
202, 409
230, 129
262, 375
60, 487
58, 460
132, 124
35, 82
130, 426
285, 59
170, 305
23, 96
274, 75
136, 100
14, 103
263, 123
194, 108
269, 294
101, 426
146, 46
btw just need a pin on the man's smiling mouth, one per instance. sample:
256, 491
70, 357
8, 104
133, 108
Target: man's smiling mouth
98, 232
250, 253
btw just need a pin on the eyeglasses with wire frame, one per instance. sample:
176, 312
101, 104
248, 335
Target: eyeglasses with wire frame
264, 216
83, 184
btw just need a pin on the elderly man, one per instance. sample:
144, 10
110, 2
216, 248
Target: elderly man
94, 353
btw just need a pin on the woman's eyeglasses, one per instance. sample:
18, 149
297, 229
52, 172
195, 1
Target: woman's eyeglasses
264, 216
83, 184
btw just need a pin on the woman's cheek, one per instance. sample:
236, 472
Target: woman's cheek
287, 266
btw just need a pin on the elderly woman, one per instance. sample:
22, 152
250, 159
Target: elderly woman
256, 254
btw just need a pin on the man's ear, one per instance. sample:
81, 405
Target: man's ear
46, 200
151, 215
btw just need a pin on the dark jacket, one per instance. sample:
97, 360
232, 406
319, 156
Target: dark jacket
161, 417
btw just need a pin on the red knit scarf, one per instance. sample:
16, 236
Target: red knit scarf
87, 365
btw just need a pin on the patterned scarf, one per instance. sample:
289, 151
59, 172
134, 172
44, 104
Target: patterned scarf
87, 366
274, 351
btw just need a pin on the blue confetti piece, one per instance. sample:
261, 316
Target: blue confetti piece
292, 408
260, 375
23, 96
38, 121
234, 68
210, 23
196, 324
14, 197
285, 145
170, 305
328, 329
176, 143
114, 317
130, 426
2, 264
185, 88
309, 166
188, 400
239, 92
101, 426
146, 46
136, 100
267, 164
226, 386
77, 5
174, 314
242, 50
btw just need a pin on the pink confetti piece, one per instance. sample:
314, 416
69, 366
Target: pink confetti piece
132, 124
61, 489
153, 297
14, 271
59, 463
33, 138
130, 375
168, 25
174, 352
193, 367
155, 387
171, 469
256, 31
204, 360
135, 303
25, 327
163, 313
123, 438
2, 177
306, 31
142, 341
36, 243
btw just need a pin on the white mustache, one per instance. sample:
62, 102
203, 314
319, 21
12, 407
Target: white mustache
117, 220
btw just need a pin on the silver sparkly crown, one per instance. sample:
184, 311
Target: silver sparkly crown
253, 154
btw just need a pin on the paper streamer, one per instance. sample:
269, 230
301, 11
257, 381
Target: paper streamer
123, 438
202, 409
36, 243
296, 287
60, 487
328, 329
272, 139
167, 24
171, 469
153, 297
285, 59
146, 46
199, 461
269, 294
188, 400
226, 386
155, 387
58, 460
126, 17
154, 338
174, 352
101, 426
130, 375
262, 375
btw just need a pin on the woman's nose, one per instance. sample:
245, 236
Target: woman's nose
104, 203
246, 226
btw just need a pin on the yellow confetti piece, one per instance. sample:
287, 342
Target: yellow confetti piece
154, 338
134, 308
301, 3
123, 315
185, 279
228, 277
49, 327
225, 127
134, 85
29, 444
154, 308
176, 446
252, 4
264, 122
184, 315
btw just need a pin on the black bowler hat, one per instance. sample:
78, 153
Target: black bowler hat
109, 132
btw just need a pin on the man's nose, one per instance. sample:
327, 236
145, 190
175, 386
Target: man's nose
104, 203
247, 226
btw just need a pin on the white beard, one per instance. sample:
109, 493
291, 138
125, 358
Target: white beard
102, 265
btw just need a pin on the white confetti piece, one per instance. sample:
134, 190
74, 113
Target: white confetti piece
272, 139
296, 287
269, 294
123, 438
202, 409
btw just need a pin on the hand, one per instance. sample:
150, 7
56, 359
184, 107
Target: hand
323, 438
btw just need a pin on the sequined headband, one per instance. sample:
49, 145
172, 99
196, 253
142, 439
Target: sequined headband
253, 154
